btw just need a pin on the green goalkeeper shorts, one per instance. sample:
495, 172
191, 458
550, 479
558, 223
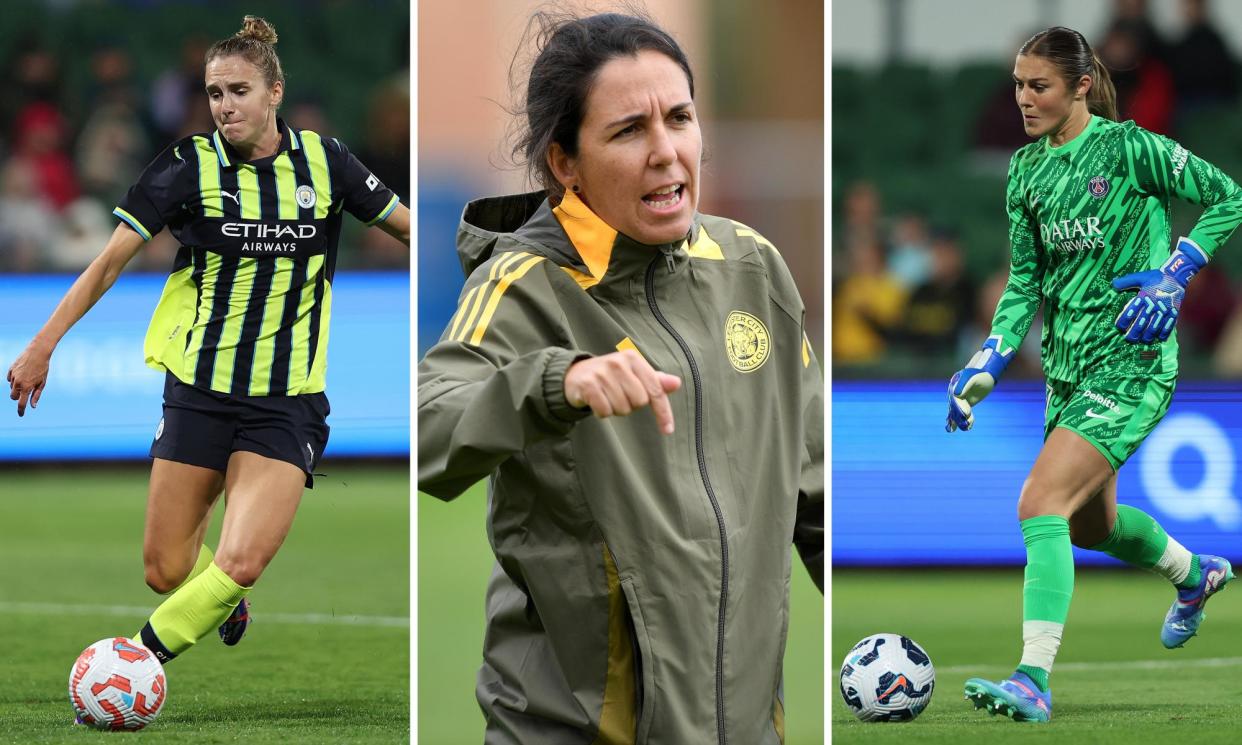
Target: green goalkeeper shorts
1115, 413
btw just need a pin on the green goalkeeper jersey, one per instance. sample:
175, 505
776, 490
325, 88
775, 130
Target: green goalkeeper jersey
1090, 210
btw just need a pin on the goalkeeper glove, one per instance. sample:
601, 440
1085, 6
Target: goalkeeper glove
1150, 315
972, 383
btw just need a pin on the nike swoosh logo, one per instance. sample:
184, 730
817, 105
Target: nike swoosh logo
1092, 415
231, 196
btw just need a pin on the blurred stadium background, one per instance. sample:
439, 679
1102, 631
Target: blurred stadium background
924, 123
93, 91
759, 89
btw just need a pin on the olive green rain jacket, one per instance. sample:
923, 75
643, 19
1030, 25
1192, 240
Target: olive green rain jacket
641, 586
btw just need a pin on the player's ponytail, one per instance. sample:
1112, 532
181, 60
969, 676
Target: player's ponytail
255, 43
254, 27
1073, 57
1102, 98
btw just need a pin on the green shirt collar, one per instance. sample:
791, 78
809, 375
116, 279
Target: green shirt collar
1071, 147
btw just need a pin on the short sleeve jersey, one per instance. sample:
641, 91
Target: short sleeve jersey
1086, 212
247, 306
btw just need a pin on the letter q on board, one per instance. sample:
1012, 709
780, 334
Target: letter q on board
1212, 497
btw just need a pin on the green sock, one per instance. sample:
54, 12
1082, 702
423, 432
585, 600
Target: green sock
1038, 675
195, 610
1046, 593
205, 557
1195, 574
1138, 540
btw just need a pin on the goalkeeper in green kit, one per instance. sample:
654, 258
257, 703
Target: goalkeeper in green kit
1088, 206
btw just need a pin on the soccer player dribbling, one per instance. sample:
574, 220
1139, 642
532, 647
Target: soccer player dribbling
241, 330
1088, 213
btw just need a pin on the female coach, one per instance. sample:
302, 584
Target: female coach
642, 556
240, 329
1088, 212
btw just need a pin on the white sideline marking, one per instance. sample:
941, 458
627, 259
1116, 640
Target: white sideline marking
309, 619
1128, 665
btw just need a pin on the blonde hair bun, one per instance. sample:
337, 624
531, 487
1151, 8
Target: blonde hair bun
254, 27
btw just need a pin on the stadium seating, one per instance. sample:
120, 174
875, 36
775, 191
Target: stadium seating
907, 128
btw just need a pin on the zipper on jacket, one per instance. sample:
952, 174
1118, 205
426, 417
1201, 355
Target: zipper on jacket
668, 252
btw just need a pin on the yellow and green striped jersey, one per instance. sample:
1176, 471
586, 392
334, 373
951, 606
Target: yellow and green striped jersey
246, 308
1090, 210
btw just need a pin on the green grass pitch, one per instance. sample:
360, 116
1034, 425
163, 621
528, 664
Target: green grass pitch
326, 660
454, 561
1112, 684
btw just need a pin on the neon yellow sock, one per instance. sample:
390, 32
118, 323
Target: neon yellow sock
197, 609
205, 557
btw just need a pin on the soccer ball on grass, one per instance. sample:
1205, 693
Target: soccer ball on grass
887, 678
117, 684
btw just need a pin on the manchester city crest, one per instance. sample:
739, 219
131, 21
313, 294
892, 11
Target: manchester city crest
305, 196
746, 341
1098, 186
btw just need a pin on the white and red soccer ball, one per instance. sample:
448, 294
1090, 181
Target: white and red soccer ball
117, 684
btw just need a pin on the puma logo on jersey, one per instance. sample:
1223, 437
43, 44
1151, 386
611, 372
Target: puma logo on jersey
234, 197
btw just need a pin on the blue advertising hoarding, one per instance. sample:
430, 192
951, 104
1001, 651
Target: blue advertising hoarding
906, 492
103, 402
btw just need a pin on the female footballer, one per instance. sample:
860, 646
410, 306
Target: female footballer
240, 329
642, 555
1088, 210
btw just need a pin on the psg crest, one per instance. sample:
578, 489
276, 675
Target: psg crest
1098, 186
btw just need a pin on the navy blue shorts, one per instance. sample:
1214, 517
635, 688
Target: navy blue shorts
203, 428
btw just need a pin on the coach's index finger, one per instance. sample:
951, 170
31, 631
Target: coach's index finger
658, 386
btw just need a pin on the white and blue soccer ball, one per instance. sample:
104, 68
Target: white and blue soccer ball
887, 678
117, 684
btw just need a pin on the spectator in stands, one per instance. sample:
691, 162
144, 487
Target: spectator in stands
941, 308
387, 151
1227, 357
112, 146
998, 127
861, 214
868, 305
1206, 312
910, 260
84, 226
1133, 17
1143, 82
387, 145
28, 224
1026, 362
40, 144
1204, 71
177, 88
33, 75
307, 112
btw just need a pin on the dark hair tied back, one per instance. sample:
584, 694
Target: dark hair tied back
1073, 57
569, 54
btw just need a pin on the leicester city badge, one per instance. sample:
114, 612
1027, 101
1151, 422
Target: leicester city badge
1098, 186
746, 341
305, 196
